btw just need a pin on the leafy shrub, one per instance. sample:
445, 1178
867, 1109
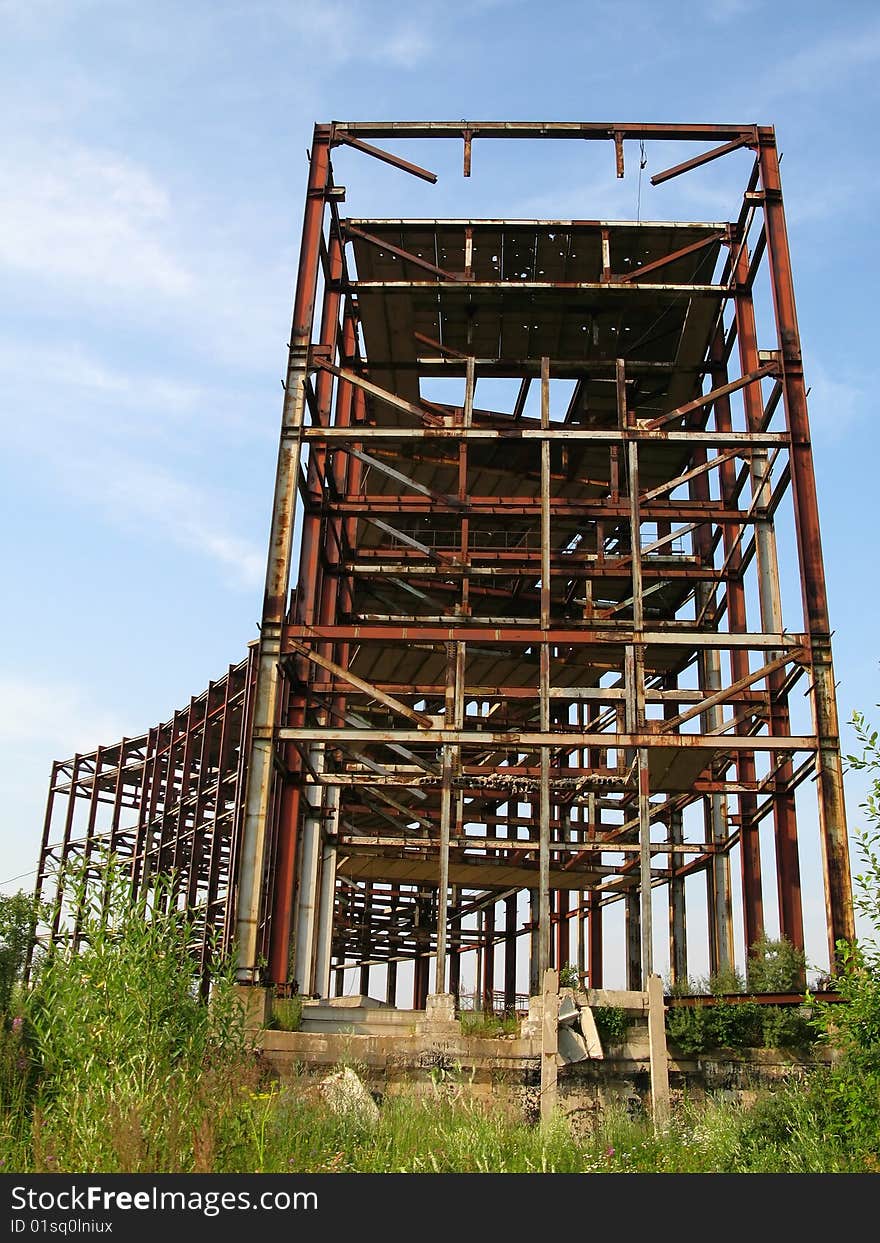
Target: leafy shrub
568, 976
785, 1027
775, 967
134, 1067
286, 1014
612, 1024
724, 1025
724, 980
19, 914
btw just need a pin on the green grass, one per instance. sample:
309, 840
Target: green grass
286, 1014
111, 1063
491, 1026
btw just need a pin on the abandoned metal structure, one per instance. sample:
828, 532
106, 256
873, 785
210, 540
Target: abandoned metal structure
538, 658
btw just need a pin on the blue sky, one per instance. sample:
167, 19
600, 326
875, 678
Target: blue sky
152, 172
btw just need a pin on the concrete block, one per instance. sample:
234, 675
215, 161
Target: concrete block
568, 1011
625, 999
440, 1006
590, 1033
570, 1046
530, 1028
257, 1002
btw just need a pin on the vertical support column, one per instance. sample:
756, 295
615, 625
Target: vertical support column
544, 688
261, 748
635, 686
595, 947
832, 810
534, 936
719, 902
747, 802
326, 902
443, 882
549, 1043
510, 952
633, 936
678, 969
677, 905
784, 818
391, 983
489, 960
659, 1058
309, 880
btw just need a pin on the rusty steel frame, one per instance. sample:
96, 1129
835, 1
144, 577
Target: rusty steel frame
536, 661
167, 803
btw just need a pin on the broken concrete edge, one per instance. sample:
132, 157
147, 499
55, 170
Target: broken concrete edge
256, 1000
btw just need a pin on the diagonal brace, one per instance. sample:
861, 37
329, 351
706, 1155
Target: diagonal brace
708, 398
360, 684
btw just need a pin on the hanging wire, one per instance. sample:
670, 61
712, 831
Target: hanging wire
643, 163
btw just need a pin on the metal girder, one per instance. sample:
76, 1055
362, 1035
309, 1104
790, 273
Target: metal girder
551, 621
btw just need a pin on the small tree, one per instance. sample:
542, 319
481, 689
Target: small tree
776, 967
19, 913
854, 1028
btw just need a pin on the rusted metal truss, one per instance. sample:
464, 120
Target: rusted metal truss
167, 803
538, 659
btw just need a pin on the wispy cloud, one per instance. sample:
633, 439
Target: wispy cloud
74, 368
343, 31
140, 496
64, 716
722, 11
829, 62
835, 404
87, 216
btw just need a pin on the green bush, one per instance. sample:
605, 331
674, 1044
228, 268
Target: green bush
286, 1014
776, 967
612, 1024
568, 976
19, 915
132, 1068
724, 1025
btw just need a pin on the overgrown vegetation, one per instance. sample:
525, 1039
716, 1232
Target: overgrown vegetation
774, 966
487, 1024
112, 1063
612, 1024
286, 1014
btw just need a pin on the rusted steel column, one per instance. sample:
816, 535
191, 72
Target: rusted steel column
718, 888
677, 904
391, 983
443, 880
65, 844
788, 871
563, 930
632, 922
366, 940
634, 680
750, 840
261, 747
510, 952
544, 934
421, 967
678, 964
489, 959
832, 810
534, 933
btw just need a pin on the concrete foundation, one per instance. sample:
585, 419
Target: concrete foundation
406, 1052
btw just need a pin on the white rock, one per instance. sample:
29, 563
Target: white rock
345, 1094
